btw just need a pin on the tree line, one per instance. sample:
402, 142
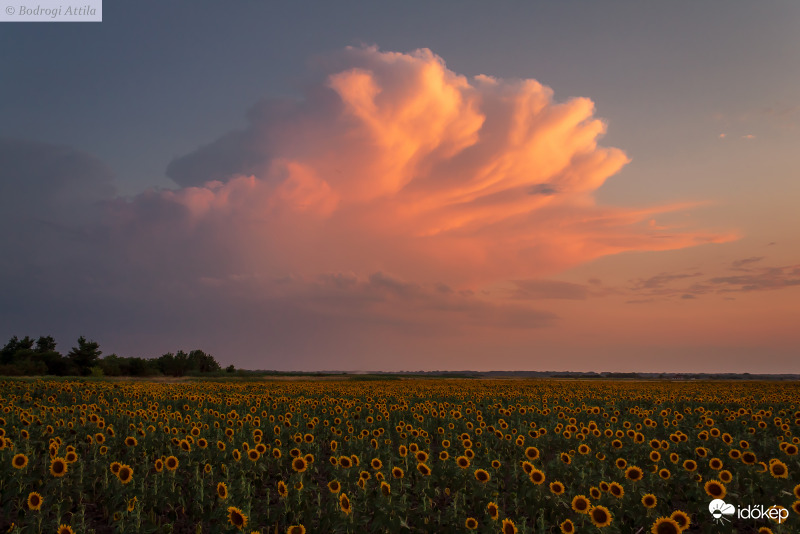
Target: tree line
29, 357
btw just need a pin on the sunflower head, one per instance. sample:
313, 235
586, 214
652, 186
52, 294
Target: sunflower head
509, 527
600, 516
34, 501
19, 461
665, 525
567, 527
471, 523
236, 517
649, 500
682, 518
222, 491
493, 510
58, 467
581, 504
715, 489
125, 474
344, 503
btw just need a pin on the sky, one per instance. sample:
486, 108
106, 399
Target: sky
605, 186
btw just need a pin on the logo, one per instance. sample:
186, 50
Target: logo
720, 509
723, 512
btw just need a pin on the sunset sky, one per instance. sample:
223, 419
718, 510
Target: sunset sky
604, 186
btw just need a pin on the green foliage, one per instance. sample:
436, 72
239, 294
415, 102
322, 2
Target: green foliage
26, 357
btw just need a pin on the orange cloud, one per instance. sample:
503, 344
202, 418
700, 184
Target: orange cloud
394, 163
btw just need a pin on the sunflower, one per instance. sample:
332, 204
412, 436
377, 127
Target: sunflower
509, 527
375, 463
19, 461
765, 530
65, 529
531, 453
682, 518
424, 469
130, 441
725, 476
556, 488
115, 467
634, 473
690, 465
58, 467
482, 476
621, 463
171, 463
567, 527
527, 467
125, 474
397, 472
344, 503
600, 516
665, 525
537, 477
581, 504
566, 458
236, 455
616, 490
253, 455
715, 464
797, 491
345, 461
778, 469
296, 529
283, 490
649, 500
132, 504
421, 456
664, 473
386, 489
494, 511
222, 491
796, 507
496, 464
471, 523
715, 489
34, 501
462, 462
444, 455
159, 465
236, 517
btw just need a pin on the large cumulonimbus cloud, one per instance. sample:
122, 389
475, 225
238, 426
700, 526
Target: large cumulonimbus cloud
392, 162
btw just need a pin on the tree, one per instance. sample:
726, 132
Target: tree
201, 362
85, 355
231, 368
45, 344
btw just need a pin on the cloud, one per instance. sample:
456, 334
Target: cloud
392, 161
548, 289
667, 285
739, 264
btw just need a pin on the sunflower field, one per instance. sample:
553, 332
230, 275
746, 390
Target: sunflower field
417, 455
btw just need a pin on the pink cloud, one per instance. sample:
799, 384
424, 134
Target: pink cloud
394, 163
